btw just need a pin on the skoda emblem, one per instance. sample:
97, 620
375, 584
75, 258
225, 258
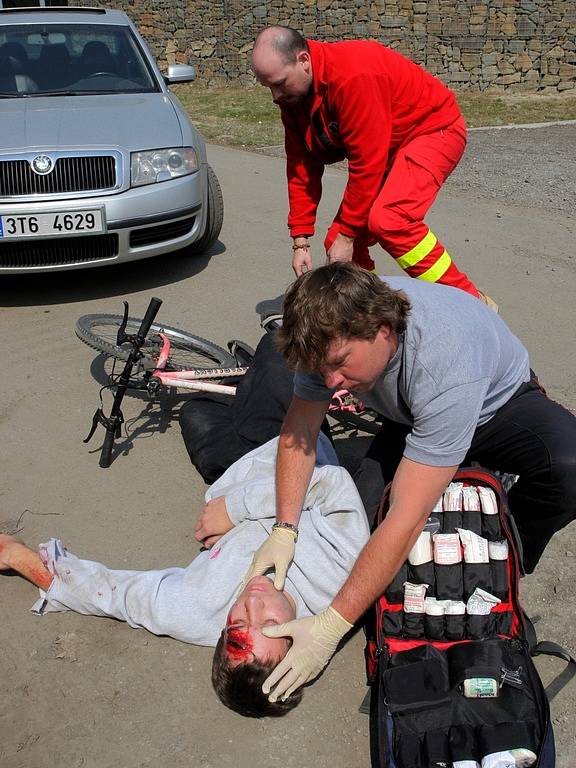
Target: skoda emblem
42, 164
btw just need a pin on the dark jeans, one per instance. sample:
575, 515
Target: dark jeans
531, 436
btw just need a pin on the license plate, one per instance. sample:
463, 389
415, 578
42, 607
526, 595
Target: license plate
56, 224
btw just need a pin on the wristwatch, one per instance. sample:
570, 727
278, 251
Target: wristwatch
289, 527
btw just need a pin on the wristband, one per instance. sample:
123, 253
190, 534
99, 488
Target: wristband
289, 527
304, 246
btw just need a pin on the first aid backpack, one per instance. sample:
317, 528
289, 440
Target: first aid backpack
449, 648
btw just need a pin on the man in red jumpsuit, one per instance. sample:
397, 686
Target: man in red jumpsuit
400, 129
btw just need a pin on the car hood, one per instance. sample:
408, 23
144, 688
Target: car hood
119, 121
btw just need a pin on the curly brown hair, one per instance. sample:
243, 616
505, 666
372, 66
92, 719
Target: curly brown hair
337, 301
240, 688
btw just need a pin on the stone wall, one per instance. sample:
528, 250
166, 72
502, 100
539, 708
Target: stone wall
520, 45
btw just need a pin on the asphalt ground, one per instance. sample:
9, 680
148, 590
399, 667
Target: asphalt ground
79, 691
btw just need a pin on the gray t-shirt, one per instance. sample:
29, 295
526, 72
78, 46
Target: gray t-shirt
457, 363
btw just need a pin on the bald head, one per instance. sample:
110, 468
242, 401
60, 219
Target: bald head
281, 61
284, 42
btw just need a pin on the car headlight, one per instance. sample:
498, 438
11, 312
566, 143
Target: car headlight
161, 165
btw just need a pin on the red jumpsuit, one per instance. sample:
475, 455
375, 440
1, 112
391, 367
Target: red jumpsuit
402, 133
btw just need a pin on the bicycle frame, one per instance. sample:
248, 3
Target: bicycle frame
193, 380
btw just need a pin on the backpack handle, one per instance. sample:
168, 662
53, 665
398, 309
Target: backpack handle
547, 648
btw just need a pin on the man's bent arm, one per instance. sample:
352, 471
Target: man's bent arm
415, 490
296, 456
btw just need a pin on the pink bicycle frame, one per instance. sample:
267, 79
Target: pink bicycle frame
194, 380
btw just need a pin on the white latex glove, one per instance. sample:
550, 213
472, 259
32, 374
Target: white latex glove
277, 552
314, 641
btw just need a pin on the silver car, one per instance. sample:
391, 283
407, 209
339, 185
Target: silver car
99, 162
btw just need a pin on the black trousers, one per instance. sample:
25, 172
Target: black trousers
530, 436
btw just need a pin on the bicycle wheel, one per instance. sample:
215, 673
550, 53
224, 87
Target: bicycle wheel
187, 352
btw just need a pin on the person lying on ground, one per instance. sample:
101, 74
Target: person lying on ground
200, 604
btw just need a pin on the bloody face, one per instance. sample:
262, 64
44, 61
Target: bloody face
259, 605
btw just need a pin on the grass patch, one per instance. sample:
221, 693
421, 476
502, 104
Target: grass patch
504, 109
247, 117
233, 116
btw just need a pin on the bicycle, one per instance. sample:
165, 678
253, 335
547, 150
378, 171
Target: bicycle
160, 357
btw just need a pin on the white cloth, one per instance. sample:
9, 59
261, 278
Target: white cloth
191, 604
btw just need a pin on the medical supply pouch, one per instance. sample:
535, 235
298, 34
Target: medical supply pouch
449, 647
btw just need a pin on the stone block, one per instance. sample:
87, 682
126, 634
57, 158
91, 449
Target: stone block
550, 80
509, 79
557, 52
532, 76
566, 85
470, 43
489, 73
470, 60
393, 22
505, 68
523, 62
526, 26
508, 28
489, 58
516, 46
457, 77
567, 71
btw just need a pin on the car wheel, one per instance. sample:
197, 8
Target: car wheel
214, 218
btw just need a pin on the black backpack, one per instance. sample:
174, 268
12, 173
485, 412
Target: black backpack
456, 687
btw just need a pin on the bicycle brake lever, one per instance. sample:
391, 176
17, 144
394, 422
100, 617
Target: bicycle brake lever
95, 422
112, 422
122, 336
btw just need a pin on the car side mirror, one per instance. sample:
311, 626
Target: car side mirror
180, 73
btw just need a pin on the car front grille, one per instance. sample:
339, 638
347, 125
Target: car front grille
70, 174
151, 235
54, 252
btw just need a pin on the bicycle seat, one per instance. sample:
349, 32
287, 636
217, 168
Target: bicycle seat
269, 307
270, 311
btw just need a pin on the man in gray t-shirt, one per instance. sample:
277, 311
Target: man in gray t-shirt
453, 385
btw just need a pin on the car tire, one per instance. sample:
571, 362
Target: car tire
214, 217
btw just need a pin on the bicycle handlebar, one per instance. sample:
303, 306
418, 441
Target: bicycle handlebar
149, 318
106, 452
113, 423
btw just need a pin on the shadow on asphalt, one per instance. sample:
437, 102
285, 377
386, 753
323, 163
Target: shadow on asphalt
101, 282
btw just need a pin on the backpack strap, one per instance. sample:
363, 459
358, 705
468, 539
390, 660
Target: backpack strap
547, 648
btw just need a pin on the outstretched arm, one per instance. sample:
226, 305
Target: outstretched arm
294, 466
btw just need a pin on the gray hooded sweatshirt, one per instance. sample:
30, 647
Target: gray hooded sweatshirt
191, 604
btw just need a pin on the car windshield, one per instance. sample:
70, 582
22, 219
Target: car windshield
79, 59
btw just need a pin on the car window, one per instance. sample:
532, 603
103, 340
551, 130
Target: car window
49, 58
